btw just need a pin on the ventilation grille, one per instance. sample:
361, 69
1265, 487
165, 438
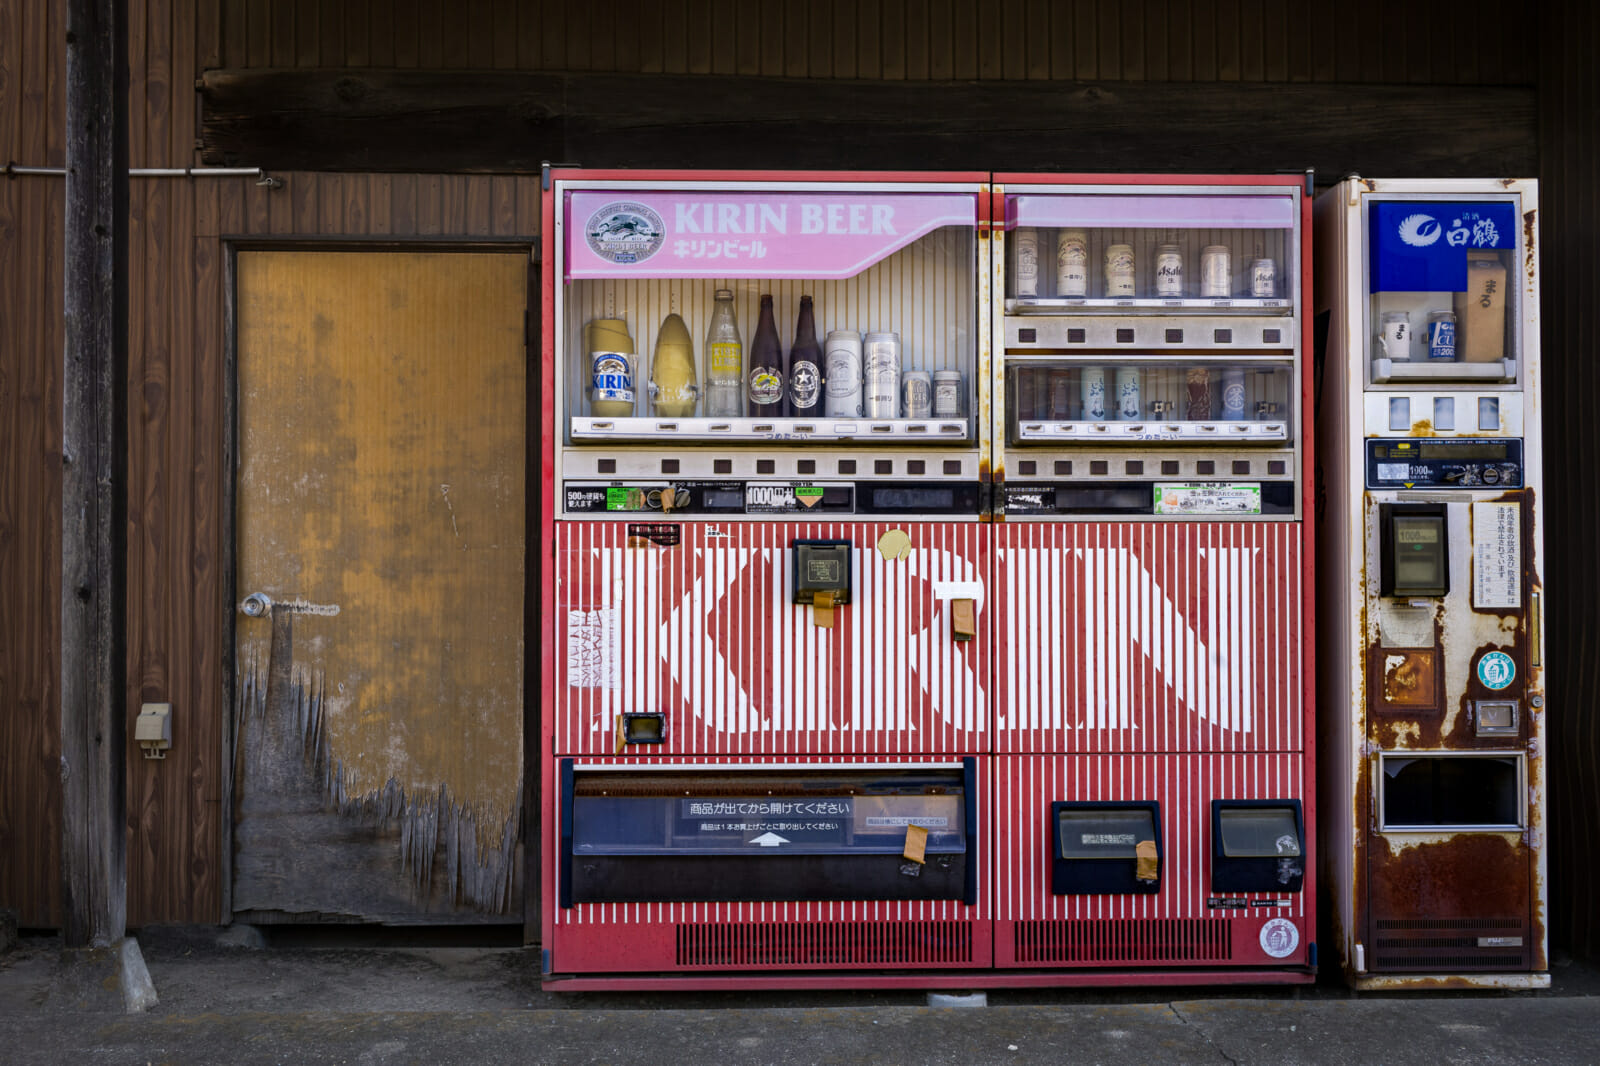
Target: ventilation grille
824, 944
1125, 940
1438, 944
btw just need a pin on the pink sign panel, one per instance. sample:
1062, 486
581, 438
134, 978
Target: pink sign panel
1253, 211
631, 233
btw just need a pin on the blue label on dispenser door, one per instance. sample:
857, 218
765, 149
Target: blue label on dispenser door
1421, 246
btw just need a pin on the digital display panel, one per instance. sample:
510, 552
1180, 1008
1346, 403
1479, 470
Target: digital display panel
914, 499
1497, 452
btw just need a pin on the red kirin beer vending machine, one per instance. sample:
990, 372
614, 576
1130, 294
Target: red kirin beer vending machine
824, 702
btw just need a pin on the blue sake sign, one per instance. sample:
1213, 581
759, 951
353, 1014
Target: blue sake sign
1421, 246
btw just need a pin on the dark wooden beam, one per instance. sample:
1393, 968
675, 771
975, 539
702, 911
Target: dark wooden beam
501, 121
94, 487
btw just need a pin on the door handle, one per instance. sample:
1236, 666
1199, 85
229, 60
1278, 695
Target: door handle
259, 605
256, 604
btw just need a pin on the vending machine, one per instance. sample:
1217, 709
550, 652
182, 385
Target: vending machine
1432, 684
767, 695
1152, 591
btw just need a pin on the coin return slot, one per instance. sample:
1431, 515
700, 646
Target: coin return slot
1495, 718
883, 466
608, 466
669, 466
1124, 336
806, 466
765, 466
1063, 466
1275, 466
1027, 336
1134, 466
847, 466
1222, 336
952, 466
1174, 336
1205, 466
1271, 336
722, 466
1027, 468
1097, 466
1169, 467
916, 466
1076, 336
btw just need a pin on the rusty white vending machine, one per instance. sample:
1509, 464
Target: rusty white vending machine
1152, 593
766, 697
1432, 681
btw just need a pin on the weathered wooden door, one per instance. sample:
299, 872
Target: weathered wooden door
380, 524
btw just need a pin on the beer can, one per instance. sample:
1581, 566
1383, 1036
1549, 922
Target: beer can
1263, 279
1169, 271
841, 361
1442, 336
1216, 271
1119, 271
1128, 405
1233, 394
1072, 263
1092, 392
947, 394
611, 383
880, 361
1394, 336
1198, 383
916, 392
1026, 240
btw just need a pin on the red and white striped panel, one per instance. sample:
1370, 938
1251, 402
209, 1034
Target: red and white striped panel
1184, 786
1149, 636
705, 632
878, 934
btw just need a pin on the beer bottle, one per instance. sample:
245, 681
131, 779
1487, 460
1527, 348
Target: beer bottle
805, 366
766, 367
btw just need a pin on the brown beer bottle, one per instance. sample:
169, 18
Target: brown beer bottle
805, 366
766, 390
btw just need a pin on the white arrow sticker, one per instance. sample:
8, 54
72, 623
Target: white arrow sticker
769, 840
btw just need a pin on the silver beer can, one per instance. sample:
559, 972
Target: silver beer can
916, 391
1026, 240
1264, 279
1119, 271
947, 394
1169, 271
1216, 271
841, 362
1072, 263
1128, 405
880, 359
1092, 391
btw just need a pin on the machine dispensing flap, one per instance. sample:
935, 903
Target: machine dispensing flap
1105, 847
1257, 846
821, 566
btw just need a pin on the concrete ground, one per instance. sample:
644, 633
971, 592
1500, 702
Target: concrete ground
401, 998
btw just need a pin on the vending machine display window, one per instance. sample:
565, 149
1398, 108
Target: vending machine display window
1442, 284
1257, 846
1105, 847
1454, 791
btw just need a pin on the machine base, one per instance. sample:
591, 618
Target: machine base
715, 982
1429, 982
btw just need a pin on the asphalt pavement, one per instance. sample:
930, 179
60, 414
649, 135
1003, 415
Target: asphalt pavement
342, 997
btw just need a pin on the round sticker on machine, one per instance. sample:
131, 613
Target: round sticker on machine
1496, 670
1279, 938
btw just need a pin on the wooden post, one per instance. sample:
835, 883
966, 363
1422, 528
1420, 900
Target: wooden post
93, 490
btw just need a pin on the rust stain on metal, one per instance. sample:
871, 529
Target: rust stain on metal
1423, 428
1530, 231
1449, 894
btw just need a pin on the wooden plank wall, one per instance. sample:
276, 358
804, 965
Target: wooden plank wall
177, 607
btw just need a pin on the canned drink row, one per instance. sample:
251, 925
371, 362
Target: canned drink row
1394, 337
1130, 394
865, 377
1073, 274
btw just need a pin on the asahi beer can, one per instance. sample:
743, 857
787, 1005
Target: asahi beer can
841, 361
1092, 392
1233, 394
1216, 272
947, 394
611, 384
1072, 263
1026, 240
1442, 337
1119, 271
1264, 279
916, 394
1128, 405
1169, 271
1394, 336
880, 360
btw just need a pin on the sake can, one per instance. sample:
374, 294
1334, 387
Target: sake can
916, 394
1233, 394
1128, 405
1442, 337
1092, 393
